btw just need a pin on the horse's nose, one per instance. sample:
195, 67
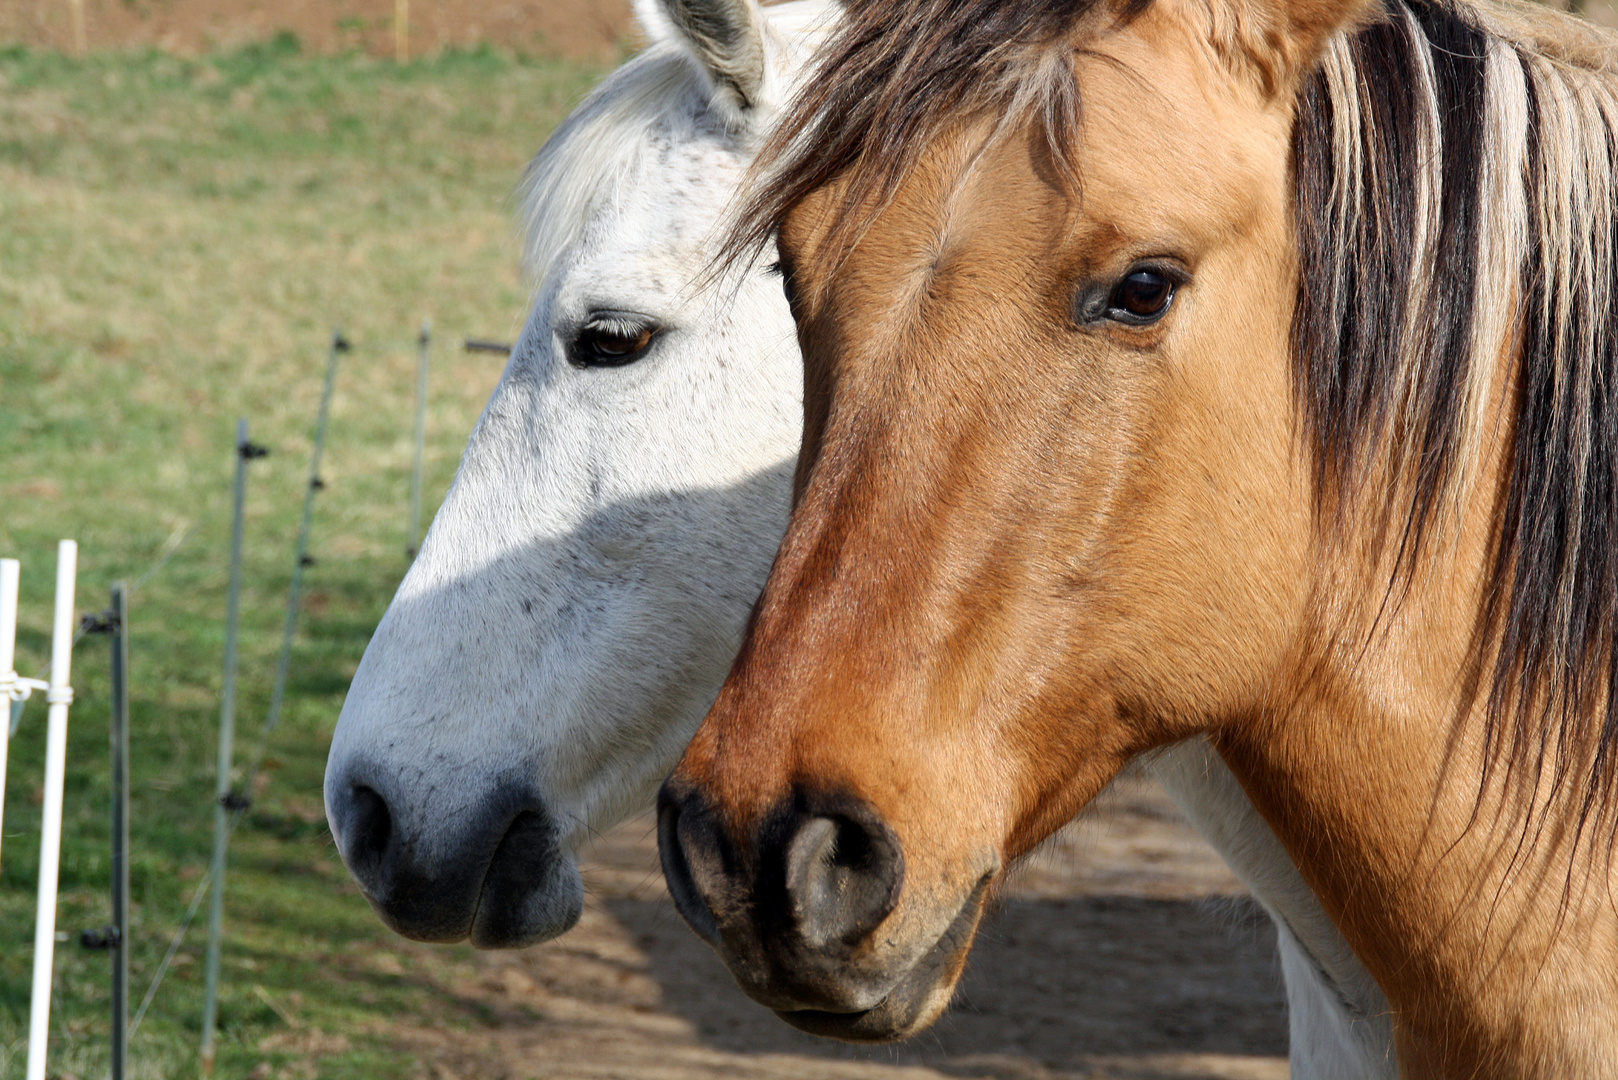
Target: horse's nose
844, 868
699, 863
828, 866
491, 870
365, 833
381, 858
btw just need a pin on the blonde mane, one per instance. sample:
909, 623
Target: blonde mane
1440, 230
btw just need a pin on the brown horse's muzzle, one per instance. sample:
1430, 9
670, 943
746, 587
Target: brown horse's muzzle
804, 911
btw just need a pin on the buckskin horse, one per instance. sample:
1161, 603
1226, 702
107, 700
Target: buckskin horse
1233, 368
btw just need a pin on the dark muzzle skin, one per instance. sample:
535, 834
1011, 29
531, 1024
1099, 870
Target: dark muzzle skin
795, 907
495, 875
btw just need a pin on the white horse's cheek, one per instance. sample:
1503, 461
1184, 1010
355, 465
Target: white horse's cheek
679, 619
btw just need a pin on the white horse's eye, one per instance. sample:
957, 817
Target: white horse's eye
612, 339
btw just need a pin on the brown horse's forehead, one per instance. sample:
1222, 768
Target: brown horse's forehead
1173, 137
1177, 152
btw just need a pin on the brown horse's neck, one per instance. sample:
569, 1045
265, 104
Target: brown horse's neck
1472, 877
1490, 927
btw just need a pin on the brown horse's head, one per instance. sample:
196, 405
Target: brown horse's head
1051, 508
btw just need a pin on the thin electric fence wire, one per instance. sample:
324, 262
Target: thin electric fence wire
201, 894
171, 546
168, 957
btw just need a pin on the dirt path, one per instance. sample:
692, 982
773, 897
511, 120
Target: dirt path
1125, 950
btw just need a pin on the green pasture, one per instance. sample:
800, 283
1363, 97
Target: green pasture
177, 239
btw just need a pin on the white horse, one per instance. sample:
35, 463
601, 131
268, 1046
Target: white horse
584, 587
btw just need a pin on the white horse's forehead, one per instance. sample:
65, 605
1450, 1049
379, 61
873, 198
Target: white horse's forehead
652, 242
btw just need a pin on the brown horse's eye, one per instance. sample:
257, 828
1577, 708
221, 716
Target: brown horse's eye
611, 339
1141, 297
788, 287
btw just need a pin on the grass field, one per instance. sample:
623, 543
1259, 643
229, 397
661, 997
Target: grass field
177, 239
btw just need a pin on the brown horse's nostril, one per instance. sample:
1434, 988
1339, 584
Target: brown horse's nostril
844, 870
824, 869
686, 835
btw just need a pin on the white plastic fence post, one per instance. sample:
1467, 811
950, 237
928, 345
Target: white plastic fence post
10, 571
59, 696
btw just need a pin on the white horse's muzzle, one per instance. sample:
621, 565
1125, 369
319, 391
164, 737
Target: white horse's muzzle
493, 871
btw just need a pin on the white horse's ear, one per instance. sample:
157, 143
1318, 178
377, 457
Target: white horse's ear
726, 37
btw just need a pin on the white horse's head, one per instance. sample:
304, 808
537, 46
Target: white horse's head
582, 591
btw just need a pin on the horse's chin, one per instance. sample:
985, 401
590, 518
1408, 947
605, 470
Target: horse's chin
899, 1016
920, 996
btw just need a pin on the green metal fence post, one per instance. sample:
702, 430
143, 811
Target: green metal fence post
413, 540
224, 800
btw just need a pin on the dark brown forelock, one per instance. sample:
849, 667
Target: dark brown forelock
896, 73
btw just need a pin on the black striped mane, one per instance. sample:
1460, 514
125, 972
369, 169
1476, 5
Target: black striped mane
1455, 203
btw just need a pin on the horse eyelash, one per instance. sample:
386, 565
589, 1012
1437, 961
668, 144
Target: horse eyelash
621, 324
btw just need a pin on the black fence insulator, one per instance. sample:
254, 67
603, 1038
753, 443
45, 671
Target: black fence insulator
251, 450
102, 937
473, 345
99, 622
306, 560
235, 801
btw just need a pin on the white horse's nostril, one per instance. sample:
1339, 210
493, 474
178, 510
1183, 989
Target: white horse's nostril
369, 827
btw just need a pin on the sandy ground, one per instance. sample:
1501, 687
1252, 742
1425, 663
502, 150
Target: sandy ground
1124, 949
